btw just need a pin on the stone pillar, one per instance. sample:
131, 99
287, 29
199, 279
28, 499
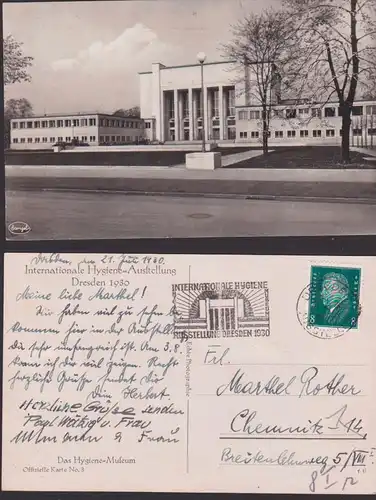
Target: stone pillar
221, 113
224, 113
205, 113
191, 113
176, 114
209, 121
181, 115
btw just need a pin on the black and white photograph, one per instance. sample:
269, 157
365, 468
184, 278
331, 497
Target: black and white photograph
199, 118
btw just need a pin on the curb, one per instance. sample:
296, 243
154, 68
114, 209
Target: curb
250, 197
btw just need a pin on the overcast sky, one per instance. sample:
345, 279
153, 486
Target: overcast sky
87, 54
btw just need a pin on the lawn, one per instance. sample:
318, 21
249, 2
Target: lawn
110, 158
305, 157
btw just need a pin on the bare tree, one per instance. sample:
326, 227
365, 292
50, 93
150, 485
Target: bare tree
266, 52
15, 62
340, 37
129, 113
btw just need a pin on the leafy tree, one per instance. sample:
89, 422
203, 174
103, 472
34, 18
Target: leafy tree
15, 108
15, 62
129, 113
339, 36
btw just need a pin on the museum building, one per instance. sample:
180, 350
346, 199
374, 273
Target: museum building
170, 102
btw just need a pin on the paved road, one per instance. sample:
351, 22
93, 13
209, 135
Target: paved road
80, 215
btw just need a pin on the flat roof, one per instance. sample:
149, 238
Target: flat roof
187, 66
74, 115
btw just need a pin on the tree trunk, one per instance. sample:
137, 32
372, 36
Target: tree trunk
265, 130
346, 124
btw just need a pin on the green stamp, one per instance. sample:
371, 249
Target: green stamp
334, 297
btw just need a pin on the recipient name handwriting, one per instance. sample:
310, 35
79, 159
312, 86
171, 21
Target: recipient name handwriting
95, 364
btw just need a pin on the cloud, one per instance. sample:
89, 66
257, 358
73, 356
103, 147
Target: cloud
136, 48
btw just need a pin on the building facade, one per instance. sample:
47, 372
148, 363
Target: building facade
170, 101
42, 132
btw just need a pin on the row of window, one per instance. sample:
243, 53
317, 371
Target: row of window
83, 122
29, 140
84, 138
278, 134
327, 112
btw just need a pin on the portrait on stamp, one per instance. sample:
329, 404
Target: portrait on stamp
334, 297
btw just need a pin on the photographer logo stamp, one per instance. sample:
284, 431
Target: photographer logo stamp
19, 227
221, 309
329, 306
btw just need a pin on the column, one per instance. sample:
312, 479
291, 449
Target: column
160, 129
176, 114
225, 107
207, 113
195, 113
221, 113
191, 113
181, 115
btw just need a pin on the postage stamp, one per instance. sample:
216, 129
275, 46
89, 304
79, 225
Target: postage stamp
334, 297
221, 309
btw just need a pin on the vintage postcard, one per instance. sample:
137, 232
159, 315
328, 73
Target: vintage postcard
189, 373
196, 118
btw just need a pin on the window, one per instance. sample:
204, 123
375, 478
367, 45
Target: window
84, 138
101, 123
123, 138
107, 138
92, 122
254, 134
37, 124
317, 133
254, 115
76, 122
371, 110
60, 123
37, 139
316, 113
147, 125
92, 138
372, 131
101, 138
84, 122
60, 139
330, 133
304, 133
68, 123
231, 103
243, 115
22, 139
357, 131
279, 133
29, 124
52, 139
357, 110
22, 124
303, 111
67, 139
44, 124
243, 135
278, 113
76, 138
291, 133
290, 113
128, 138
29, 139
330, 112
14, 125
44, 139
52, 123
15, 140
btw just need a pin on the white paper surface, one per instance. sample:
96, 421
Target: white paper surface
184, 373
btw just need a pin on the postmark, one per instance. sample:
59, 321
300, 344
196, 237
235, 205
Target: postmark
334, 297
221, 309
